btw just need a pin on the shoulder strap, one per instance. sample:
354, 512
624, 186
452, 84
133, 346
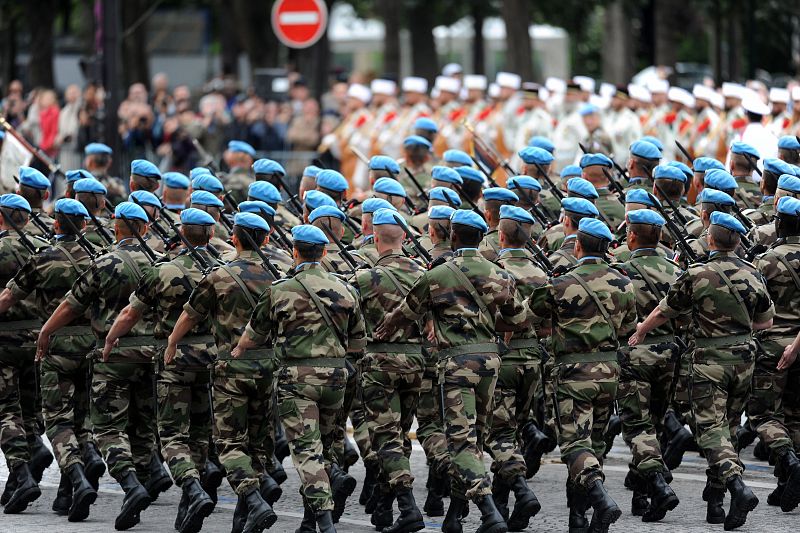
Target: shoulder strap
186, 274
792, 271
742, 306
467, 284
70, 258
130, 263
20, 260
650, 284
598, 303
393, 279
569, 257
324, 312
241, 284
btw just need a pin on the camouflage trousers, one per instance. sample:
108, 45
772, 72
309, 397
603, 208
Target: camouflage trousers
765, 407
18, 414
123, 416
430, 429
309, 400
469, 382
642, 399
390, 400
719, 393
791, 405
584, 402
65, 386
244, 425
517, 385
352, 407
681, 403
184, 421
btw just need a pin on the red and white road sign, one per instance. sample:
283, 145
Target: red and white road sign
299, 23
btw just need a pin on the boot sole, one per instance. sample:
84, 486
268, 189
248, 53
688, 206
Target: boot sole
520, 518
263, 522
496, 528
738, 520
79, 511
20, 504
193, 521
131, 517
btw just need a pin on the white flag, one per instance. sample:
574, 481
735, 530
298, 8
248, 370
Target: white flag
12, 156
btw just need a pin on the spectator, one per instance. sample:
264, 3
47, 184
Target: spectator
90, 116
303, 134
136, 122
13, 105
68, 125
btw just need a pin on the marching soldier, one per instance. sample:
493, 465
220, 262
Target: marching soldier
575, 210
596, 169
644, 157
495, 198
145, 176
97, 161
277, 254
92, 195
789, 149
70, 177
437, 239
266, 192
765, 234
743, 159
773, 170
239, 158
34, 187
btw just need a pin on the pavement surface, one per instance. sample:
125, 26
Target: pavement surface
548, 485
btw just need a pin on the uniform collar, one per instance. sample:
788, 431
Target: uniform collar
643, 252
570, 237
513, 252
467, 252
719, 254
591, 260
308, 265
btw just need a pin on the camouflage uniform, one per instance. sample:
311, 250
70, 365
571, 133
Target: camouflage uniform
312, 354
553, 237
763, 213
747, 195
564, 256
92, 234
490, 246
32, 228
243, 388
610, 207
117, 189
237, 181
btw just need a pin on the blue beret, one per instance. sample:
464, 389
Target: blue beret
75, 175
197, 217
205, 198
256, 206
590, 160
739, 147
97, 148
469, 218
15, 201
640, 196
131, 211
389, 186
2, 135
268, 166
326, 211
443, 194
789, 183
654, 141
469, 173
718, 218
524, 182
89, 185
533, 154
704, 164
332, 180
789, 142
720, 180
581, 206
68, 206
457, 156
145, 198
778, 167
199, 171
645, 216
315, 199
668, 172
501, 194
384, 216
588, 109
537, 141
311, 171
264, 191
440, 212
446, 174
371, 205
33, 178
713, 196
582, 188
426, 124
516, 213
176, 180
595, 228
416, 140
206, 182
145, 168
241, 146
384, 162
309, 234
788, 206
646, 150
571, 171
252, 221
683, 167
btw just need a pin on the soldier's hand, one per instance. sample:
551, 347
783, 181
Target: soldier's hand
637, 337
169, 353
788, 357
42, 344
382, 332
236, 353
108, 347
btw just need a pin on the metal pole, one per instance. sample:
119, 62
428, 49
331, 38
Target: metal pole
109, 55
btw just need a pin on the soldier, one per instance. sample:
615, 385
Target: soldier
176, 189
724, 313
536, 161
668, 187
472, 183
765, 211
331, 219
393, 192
637, 199
267, 192
437, 239
445, 177
575, 210
334, 184
711, 201
98, 162
366, 246
243, 387
205, 201
528, 190
33, 186
436, 196
315, 199
789, 149
145, 176
46, 278
596, 168
239, 158
417, 155
308, 181
743, 159
470, 299
644, 157
184, 412
315, 323
277, 254
70, 177
92, 194
122, 395
646, 375
158, 242
494, 198
700, 166
765, 234
534, 120
596, 140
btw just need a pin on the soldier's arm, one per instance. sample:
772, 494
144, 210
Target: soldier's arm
540, 303
764, 309
259, 326
414, 306
196, 310
7, 299
356, 328
511, 310
123, 324
64, 314
20, 286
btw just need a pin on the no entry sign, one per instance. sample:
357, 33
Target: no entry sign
299, 23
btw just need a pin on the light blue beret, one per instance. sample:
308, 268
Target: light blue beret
645, 216
469, 173
241, 146
206, 182
788, 206
533, 154
580, 206
469, 218
446, 174
131, 211
667, 172
416, 140
145, 198
176, 180
590, 160
640, 196
311, 171
384, 216
332, 180
444, 194
89, 185
425, 124
315, 199
440, 212
778, 167
389, 186
739, 147
654, 141
256, 206
571, 171
268, 166
704, 164
33, 178
197, 217
537, 141
789, 142
326, 211
15, 201
720, 180
68, 206
142, 167
582, 188
371, 205
264, 191
718, 218
645, 149
713, 196
789, 183
198, 171
384, 162
457, 156
595, 228
205, 198
309, 234
97, 148
252, 221
516, 213
588, 109
500, 194
524, 182
683, 167
78, 174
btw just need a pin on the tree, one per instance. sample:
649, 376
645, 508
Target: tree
134, 15
256, 37
424, 60
617, 44
41, 19
391, 12
518, 42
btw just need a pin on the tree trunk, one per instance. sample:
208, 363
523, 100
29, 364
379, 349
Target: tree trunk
255, 34
424, 61
734, 51
518, 42
667, 31
314, 62
478, 50
617, 44
390, 12
134, 42
41, 18
228, 39
8, 45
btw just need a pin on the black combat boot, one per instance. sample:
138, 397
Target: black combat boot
679, 439
26, 490
136, 500
350, 454
744, 436
491, 521
500, 492
635, 482
452, 520
369, 483
11, 486
158, 480
434, 505
410, 518
384, 513
199, 506
41, 458
281, 443
309, 522
93, 465
614, 429
277, 473
83, 494
63, 496
210, 479
662, 498
606, 510
325, 522
789, 468
761, 452
578, 504
260, 515
742, 502
714, 498
342, 486
239, 515
270, 490
526, 505
774, 498
182, 506
535, 445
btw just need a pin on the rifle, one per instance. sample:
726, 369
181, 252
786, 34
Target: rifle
485, 171
209, 159
81, 238
746, 221
35, 218
614, 185
671, 204
414, 242
292, 198
22, 237
685, 153
100, 229
226, 197
51, 165
673, 229
416, 183
284, 241
148, 252
555, 190
349, 258
535, 208
470, 202
269, 267
537, 251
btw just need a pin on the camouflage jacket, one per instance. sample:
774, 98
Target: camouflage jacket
287, 315
459, 320
565, 255
220, 301
117, 192
32, 228
441, 249
13, 256
335, 263
237, 181
783, 289
763, 213
522, 266
490, 246
748, 194
279, 258
622, 253
105, 289
552, 238
163, 291
285, 218
368, 251
715, 312
611, 208
47, 277
765, 234
93, 234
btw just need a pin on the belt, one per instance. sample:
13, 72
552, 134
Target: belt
394, 347
192, 339
249, 355
136, 341
518, 344
328, 362
465, 349
74, 330
586, 357
727, 340
659, 339
20, 325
